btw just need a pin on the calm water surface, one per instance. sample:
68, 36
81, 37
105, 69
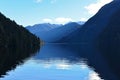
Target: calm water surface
62, 62
51, 70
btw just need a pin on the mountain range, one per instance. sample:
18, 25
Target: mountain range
101, 31
54, 32
16, 44
91, 30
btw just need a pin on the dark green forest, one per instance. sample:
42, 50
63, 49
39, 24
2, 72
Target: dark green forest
16, 44
15, 36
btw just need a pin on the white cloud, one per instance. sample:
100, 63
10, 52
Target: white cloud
51, 1
39, 1
63, 20
62, 66
59, 20
94, 76
83, 66
94, 7
83, 19
47, 20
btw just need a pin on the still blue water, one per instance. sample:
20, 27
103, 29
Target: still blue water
53, 70
61, 62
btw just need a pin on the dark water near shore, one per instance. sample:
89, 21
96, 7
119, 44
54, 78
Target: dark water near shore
63, 62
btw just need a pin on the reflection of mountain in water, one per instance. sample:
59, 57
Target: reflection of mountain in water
10, 58
16, 43
75, 53
101, 30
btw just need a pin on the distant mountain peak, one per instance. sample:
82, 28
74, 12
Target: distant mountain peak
53, 32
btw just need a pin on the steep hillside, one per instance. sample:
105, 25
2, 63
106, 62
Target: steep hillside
56, 34
109, 42
94, 26
16, 44
102, 31
12, 34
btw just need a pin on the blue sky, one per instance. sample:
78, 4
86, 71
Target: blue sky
30, 12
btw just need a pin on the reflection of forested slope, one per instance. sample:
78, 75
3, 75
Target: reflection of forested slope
16, 43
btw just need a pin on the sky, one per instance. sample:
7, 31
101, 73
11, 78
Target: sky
30, 12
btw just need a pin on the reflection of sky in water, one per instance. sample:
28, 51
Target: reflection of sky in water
52, 70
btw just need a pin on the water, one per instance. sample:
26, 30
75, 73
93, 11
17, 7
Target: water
63, 62
53, 70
